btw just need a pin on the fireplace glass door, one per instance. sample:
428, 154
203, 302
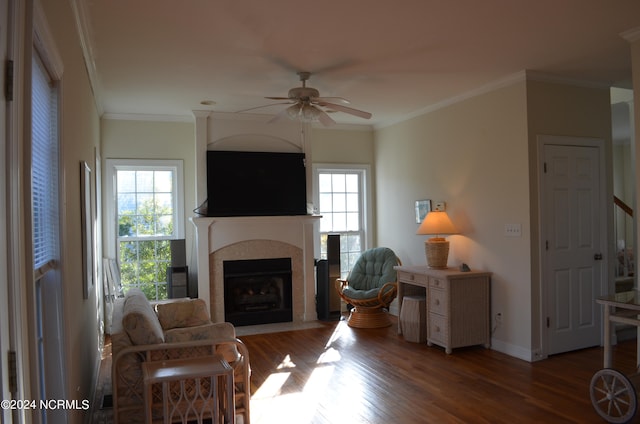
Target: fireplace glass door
257, 291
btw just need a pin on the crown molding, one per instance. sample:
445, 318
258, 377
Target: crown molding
201, 113
555, 79
83, 25
632, 35
148, 117
343, 127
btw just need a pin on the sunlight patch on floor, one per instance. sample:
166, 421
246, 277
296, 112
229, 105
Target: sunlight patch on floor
270, 405
286, 363
330, 355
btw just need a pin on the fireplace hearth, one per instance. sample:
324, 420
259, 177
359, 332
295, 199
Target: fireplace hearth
257, 291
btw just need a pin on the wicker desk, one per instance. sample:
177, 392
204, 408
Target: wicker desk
458, 304
192, 389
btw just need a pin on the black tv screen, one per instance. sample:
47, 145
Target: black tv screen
256, 183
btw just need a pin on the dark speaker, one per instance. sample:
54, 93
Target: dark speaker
178, 254
333, 258
322, 289
177, 282
327, 271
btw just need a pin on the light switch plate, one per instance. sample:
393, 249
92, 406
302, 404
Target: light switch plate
513, 230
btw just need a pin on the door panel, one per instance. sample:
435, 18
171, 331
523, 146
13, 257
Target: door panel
571, 224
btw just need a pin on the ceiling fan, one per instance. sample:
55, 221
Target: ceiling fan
307, 105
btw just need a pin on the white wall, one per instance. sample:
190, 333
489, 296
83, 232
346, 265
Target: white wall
343, 145
474, 156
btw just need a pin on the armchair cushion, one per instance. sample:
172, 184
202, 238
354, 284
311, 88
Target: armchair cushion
210, 331
182, 313
140, 321
363, 294
371, 272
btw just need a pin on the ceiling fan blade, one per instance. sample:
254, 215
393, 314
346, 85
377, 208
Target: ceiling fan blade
345, 109
258, 107
331, 99
277, 98
325, 119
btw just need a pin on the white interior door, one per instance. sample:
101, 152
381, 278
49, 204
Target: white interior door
573, 257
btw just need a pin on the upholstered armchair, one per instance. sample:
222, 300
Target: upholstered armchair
370, 287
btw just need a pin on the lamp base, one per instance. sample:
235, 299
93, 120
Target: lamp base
437, 252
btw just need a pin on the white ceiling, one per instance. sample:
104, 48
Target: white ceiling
391, 58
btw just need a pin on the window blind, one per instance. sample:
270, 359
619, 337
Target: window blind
44, 166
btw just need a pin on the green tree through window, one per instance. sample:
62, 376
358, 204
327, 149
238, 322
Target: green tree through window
146, 221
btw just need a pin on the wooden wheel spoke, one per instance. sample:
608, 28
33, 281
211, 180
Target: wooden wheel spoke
613, 396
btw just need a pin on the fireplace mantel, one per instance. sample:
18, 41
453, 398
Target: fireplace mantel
215, 233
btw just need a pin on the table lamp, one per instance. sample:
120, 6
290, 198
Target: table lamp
436, 248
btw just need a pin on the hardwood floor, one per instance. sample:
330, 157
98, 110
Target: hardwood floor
336, 374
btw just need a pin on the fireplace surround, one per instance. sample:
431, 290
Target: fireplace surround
221, 239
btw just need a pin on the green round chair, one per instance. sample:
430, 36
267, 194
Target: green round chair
370, 288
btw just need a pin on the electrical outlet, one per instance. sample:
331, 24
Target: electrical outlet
513, 230
439, 206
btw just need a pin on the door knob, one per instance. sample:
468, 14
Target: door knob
597, 257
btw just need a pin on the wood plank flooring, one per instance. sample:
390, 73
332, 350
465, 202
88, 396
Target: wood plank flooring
336, 374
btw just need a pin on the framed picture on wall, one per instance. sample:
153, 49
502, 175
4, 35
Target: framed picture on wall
422, 208
87, 228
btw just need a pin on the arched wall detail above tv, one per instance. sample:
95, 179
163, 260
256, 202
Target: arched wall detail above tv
256, 143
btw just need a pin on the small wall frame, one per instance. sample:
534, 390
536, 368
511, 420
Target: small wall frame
422, 208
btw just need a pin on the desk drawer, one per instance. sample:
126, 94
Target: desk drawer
437, 282
437, 329
438, 301
411, 278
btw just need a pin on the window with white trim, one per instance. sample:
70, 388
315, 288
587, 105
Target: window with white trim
148, 214
340, 197
44, 168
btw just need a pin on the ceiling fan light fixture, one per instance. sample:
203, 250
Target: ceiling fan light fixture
309, 113
293, 111
303, 112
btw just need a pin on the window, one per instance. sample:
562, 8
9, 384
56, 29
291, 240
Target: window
45, 226
147, 215
341, 200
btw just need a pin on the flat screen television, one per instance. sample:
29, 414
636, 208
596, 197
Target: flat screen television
256, 183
